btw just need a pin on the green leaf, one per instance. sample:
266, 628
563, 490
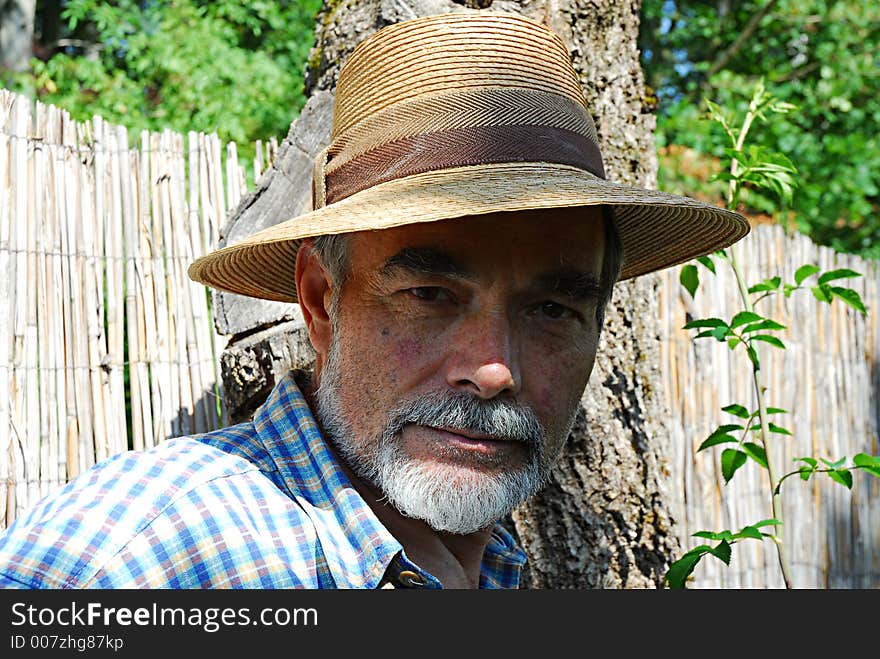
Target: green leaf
713, 535
731, 460
767, 522
707, 262
750, 532
753, 357
744, 317
836, 464
822, 293
736, 410
781, 107
850, 297
715, 112
777, 429
705, 322
733, 342
756, 453
765, 324
810, 461
726, 428
766, 338
788, 289
776, 410
690, 279
717, 333
842, 476
681, 569
739, 156
842, 273
714, 440
805, 473
865, 460
767, 285
803, 272
722, 551
868, 463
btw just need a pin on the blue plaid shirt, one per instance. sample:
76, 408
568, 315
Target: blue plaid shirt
262, 504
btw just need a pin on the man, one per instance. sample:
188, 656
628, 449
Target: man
453, 277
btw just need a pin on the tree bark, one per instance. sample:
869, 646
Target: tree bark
16, 33
603, 519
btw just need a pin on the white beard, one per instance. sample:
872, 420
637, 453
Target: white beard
455, 498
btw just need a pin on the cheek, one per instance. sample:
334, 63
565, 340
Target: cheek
408, 350
385, 360
557, 385
411, 354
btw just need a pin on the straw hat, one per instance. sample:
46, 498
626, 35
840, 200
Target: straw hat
457, 115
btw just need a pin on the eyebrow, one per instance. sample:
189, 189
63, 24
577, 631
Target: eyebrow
426, 261
576, 285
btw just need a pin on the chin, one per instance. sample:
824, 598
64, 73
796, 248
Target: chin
456, 498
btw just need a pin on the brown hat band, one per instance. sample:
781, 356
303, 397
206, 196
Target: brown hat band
460, 147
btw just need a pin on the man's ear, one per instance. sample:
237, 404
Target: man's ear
314, 287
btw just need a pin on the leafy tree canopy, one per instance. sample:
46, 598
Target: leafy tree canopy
205, 65
821, 55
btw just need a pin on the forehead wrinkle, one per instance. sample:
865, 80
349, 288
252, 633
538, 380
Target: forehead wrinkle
426, 261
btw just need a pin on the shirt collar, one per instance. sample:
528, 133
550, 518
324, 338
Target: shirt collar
357, 547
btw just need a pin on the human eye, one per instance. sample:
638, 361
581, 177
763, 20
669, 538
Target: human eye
430, 293
554, 311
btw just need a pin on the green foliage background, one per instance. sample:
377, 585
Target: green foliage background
205, 65
822, 56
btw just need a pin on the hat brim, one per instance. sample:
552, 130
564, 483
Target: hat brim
657, 229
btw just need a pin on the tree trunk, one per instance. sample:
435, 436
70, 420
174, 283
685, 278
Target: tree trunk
16, 33
603, 520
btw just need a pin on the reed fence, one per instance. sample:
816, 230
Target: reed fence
827, 379
105, 343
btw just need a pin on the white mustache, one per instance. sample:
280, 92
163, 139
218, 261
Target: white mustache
496, 418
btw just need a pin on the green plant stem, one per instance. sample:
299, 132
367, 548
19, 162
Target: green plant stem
776, 499
765, 433
814, 471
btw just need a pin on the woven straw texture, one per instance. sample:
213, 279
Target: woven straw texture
458, 115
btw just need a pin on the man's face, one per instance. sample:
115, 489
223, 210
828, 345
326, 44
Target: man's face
459, 353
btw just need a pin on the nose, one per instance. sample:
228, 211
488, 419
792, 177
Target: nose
485, 359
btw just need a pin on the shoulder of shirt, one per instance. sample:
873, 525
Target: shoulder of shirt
69, 536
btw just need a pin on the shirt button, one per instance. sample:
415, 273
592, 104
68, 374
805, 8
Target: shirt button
411, 579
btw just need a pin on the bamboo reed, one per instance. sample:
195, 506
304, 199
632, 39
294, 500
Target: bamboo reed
79, 241
92, 289
186, 346
132, 285
113, 254
232, 191
177, 289
151, 375
198, 296
25, 461
7, 282
41, 243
